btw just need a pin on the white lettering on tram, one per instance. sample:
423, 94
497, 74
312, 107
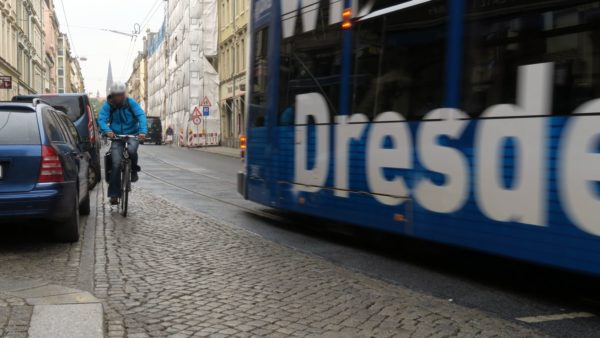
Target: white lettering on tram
452, 195
391, 127
580, 168
523, 199
348, 128
307, 105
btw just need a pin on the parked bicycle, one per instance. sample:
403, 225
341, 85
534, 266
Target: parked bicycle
125, 171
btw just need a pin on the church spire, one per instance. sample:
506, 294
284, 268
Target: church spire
109, 78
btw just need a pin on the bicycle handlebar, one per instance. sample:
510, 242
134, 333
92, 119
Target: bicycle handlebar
124, 136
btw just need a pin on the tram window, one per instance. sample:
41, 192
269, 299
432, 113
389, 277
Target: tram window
310, 62
259, 78
502, 37
400, 62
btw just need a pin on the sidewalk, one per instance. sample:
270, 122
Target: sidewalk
46, 296
225, 151
38, 309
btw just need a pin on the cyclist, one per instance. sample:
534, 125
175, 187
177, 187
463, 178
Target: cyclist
122, 115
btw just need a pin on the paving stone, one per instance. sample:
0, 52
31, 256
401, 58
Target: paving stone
168, 271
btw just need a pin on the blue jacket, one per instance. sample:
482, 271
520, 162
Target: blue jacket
123, 121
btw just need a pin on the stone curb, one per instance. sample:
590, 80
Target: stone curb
229, 152
58, 311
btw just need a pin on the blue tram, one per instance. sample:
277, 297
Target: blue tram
474, 123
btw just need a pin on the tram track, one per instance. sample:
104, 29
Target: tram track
213, 198
543, 296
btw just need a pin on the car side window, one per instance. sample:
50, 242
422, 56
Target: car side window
61, 124
53, 129
70, 128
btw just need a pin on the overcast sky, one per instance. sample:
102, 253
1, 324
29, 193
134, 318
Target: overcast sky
86, 17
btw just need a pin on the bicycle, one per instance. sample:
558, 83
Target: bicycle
125, 172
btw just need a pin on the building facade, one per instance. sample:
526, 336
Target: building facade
8, 46
136, 85
21, 46
68, 69
192, 81
157, 74
233, 42
51, 30
29, 46
62, 65
75, 77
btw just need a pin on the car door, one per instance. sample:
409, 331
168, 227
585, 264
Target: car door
58, 137
61, 140
80, 156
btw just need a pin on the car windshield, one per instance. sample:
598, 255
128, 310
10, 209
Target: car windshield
18, 128
153, 123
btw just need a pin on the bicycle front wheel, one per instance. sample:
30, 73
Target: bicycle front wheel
125, 184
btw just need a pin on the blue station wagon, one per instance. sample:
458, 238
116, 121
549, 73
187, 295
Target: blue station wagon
43, 168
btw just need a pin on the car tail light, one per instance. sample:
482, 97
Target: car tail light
92, 135
51, 170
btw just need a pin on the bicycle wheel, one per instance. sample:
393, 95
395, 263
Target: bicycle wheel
125, 186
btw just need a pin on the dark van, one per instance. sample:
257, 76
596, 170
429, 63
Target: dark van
154, 130
79, 110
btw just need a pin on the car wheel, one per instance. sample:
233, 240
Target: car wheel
68, 231
94, 176
84, 207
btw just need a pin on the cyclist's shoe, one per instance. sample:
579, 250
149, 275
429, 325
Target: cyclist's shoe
114, 201
134, 176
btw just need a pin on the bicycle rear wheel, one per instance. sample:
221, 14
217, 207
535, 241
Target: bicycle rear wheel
125, 187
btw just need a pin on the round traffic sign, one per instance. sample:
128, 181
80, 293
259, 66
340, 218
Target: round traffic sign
197, 120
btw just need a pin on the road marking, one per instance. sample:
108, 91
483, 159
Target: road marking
549, 318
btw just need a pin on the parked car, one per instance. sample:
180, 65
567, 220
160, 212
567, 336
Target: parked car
43, 168
79, 110
154, 130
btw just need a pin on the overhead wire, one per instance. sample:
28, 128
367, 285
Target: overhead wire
155, 7
62, 4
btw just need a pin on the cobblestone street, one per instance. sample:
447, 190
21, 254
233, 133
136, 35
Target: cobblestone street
184, 264
166, 271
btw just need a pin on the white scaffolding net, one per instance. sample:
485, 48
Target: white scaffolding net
193, 83
157, 75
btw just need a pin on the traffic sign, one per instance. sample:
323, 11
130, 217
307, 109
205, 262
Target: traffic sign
197, 120
196, 112
206, 102
206, 111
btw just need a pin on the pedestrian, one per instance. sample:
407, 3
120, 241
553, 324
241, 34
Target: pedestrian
122, 115
170, 135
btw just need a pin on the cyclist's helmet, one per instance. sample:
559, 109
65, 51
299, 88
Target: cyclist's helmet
117, 88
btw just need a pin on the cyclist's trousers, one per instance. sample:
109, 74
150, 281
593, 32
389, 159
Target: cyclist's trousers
116, 150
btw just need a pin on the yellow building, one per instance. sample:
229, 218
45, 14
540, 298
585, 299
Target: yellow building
233, 42
76, 77
136, 85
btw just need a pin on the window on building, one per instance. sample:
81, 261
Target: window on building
243, 62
